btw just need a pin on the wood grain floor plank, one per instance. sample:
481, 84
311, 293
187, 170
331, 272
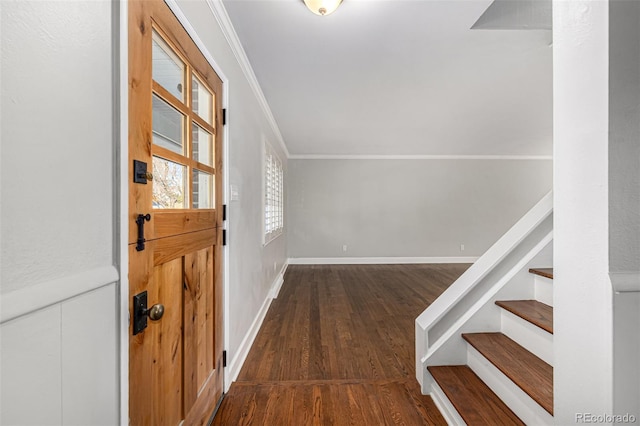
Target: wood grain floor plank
337, 348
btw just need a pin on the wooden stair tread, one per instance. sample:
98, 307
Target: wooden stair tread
471, 397
530, 373
543, 272
535, 312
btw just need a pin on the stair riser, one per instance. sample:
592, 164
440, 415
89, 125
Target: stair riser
516, 399
531, 337
543, 289
445, 406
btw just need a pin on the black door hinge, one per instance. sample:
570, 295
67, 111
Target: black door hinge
224, 212
224, 116
224, 237
224, 358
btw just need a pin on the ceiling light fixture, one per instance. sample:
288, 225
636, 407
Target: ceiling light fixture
322, 7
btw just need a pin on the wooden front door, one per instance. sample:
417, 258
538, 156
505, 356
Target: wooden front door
175, 261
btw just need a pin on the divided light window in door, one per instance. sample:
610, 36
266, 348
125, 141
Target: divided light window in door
183, 133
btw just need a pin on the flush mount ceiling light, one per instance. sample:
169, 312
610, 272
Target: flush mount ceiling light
322, 7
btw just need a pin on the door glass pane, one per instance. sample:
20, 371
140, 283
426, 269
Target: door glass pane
201, 100
169, 183
202, 145
168, 125
167, 68
202, 190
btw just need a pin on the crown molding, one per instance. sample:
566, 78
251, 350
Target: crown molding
419, 157
222, 17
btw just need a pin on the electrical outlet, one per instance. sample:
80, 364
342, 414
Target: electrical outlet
275, 266
461, 247
344, 248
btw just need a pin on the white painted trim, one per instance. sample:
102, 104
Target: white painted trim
376, 260
277, 284
182, 18
38, 296
625, 282
493, 256
122, 225
418, 157
225, 254
234, 367
225, 104
220, 13
483, 300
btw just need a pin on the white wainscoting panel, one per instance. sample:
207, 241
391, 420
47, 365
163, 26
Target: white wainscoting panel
30, 369
89, 359
59, 365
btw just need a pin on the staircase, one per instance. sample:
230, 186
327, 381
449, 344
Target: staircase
484, 348
508, 378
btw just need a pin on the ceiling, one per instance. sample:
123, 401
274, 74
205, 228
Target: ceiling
399, 77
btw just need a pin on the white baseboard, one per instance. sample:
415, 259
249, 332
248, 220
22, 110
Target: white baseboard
277, 284
243, 350
376, 260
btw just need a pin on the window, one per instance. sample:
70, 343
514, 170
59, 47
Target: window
184, 129
273, 195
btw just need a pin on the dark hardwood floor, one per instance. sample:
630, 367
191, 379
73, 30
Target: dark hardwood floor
337, 348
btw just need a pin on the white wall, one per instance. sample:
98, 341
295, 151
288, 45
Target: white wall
253, 268
583, 317
408, 208
624, 135
59, 293
624, 197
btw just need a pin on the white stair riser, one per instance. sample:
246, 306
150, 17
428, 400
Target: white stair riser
543, 290
534, 339
529, 411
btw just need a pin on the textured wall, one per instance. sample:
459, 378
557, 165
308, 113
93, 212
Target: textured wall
59, 357
57, 140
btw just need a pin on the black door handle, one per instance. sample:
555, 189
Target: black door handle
140, 221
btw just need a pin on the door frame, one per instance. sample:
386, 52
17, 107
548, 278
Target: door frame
121, 178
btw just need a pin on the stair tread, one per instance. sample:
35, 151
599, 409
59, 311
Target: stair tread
530, 373
543, 272
472, 398
535, 312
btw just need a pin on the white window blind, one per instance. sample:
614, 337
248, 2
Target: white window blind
273, 195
